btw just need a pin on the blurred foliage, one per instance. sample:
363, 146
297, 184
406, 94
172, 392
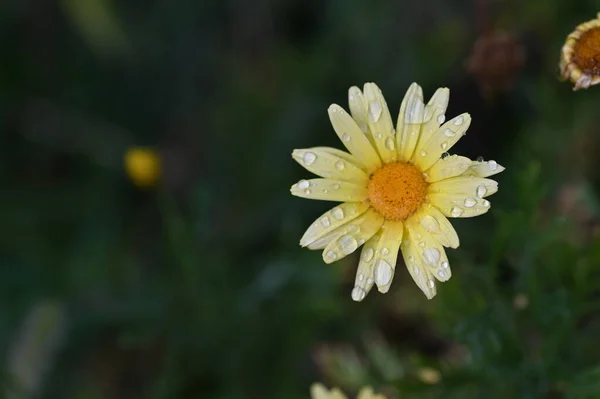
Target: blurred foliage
198, 288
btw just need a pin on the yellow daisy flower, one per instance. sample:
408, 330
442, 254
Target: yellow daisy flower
580, 55
318, 391
396, 187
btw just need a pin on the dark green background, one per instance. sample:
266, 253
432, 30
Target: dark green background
199, 289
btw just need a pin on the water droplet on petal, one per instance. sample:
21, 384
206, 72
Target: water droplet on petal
423, 153
422, 244
445, 155
442, 274
361, 277
481, 190
431, 283
378, 135
431, 256
309, 158
325, 221
416, 271
430, 224
348, 244
383, 273
445, 264
337, 213
325, 191
456, 211
331, 255
367, 254
335, 186
358, 294
444, 145
448, 133
346, 137
385, 251
307, 192
492, 165
389, 144
340, 165
470, 202
486, 203
458, 120
411, 258
374, 111
479, 159
441, 118
302, 184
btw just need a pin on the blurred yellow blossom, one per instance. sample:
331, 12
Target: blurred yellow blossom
318, 391
580, 55
143, 166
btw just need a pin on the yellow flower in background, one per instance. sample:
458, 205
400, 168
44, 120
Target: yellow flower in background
143, 166
396, 187
318, 391
580, 56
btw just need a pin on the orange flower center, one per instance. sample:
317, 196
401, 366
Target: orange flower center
586, 52
397, 190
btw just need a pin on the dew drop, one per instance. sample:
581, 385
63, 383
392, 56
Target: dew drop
348, 244
486, 203
346, 137
335, 186
389, 144
369, 282
481, 190
441, 118
430, 224
470, 202
351, 97
479, 159
385, 251
361, 241
309, 158
337, 213
307, 192
431, 256
325, 191
422, 244
445, 155
492, 165
361, 277
449, 133
423, 153
340, 165
442, 274
325, 221
431, 283
374, 111
444, 145
445, 264
331, 255
411, 258
458, 121
456, 211
367, 254
378, 135
383, 273
358, 294
302, 184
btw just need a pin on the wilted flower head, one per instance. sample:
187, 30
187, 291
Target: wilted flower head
580, 55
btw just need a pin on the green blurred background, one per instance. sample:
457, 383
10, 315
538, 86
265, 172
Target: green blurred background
197, 287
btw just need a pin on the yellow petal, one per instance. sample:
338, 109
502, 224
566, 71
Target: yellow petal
380, 123
483, 169
358, 108
326, 164
457, 206
378, 260
447, 167
432, 253
343, 155
414, 264
330, 190
332, 220
467, 186
441, 141
440, 228
353, 138
409, 122
353, 235
434, 115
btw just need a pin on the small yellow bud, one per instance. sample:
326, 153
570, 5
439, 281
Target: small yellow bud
143, 166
